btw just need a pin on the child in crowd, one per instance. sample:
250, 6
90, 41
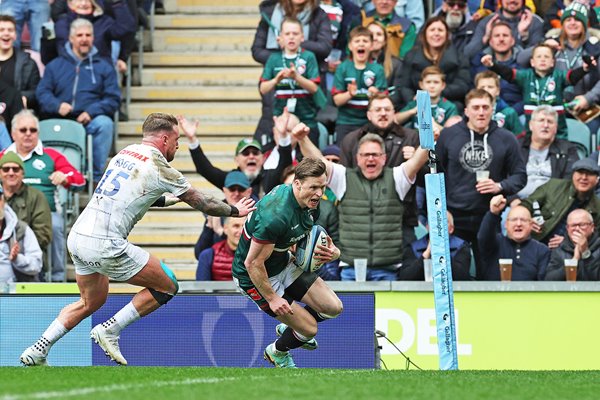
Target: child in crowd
433, 80
356, 79
294, 75
504, 115
541, 84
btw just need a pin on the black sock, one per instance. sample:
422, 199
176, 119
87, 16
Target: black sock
288, 341
315, 314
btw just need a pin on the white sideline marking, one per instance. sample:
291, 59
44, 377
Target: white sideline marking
111, 388
123, 387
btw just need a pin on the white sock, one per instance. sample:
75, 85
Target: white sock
123, 318
55, 331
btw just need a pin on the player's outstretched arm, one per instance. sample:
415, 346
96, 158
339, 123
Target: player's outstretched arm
216, 207
308, 149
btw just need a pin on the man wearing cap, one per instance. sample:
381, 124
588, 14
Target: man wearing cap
20, 253
581, 243
28, 203
249, 159
236, 187
558, 197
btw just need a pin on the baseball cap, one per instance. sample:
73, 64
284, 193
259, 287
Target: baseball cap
12, 157
586, 164
245, 143
237, 178
331, 150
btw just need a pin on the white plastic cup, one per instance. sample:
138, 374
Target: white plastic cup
482, 175
428, 269
360, 269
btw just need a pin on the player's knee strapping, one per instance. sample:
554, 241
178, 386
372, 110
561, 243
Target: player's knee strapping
319, 317
161, 297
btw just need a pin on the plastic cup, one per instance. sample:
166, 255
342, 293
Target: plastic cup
482, 175
571, 270
428, 269
360, 269
505, 269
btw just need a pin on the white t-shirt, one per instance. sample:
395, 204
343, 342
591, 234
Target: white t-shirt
337, 181
134, 179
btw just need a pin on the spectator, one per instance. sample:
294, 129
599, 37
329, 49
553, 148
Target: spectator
433, 80
392, 66
582, 244
236, 186
435, 48
477, 144
356, 79
20, 254
527, 28
45, 170
504, 115
17, 69
541, 84
459, 21
214, 263
341, 14
401, 31
106, 29
285, 152
558, 197
293, 75
371, 205
33, 12
317, 34
249, 159
80, 86
503, 50
28, 203
529, 256
545, 156
332, 153
420, 249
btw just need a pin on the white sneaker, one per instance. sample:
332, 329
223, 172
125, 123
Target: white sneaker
109, 342
33, 357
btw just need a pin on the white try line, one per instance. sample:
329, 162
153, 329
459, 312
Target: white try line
132, 386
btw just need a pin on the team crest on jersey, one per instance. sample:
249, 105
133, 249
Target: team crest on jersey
551, 85
38, 164
369, 78
500, 119
440, 115
301, 66
472, 156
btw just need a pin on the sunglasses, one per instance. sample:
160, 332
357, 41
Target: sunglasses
32, 130
249, 151
459, 4
236, 189
13, 169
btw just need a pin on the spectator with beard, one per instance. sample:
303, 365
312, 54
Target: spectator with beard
503, 50
459, 21
527, 28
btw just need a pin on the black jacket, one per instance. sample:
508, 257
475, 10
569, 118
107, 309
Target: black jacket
562, 154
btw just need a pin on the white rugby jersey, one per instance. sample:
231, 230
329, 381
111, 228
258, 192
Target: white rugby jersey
134, 179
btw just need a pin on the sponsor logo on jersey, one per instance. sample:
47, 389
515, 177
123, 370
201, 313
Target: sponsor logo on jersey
134, 155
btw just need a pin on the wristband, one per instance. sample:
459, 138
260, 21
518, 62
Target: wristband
234, 212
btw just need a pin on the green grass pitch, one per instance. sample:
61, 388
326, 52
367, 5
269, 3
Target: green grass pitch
269, 383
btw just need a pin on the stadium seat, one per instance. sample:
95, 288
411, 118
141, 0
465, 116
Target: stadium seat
69, 137
579, 134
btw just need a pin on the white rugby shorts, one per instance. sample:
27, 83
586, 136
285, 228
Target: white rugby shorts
116, 258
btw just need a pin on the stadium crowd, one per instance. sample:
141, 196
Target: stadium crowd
514, 88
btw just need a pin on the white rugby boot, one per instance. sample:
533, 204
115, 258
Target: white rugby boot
109, 342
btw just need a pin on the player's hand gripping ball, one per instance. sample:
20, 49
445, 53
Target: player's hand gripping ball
305, 249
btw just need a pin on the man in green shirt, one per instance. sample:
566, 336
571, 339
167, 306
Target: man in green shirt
263, 268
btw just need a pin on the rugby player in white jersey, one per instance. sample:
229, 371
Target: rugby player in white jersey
138, 177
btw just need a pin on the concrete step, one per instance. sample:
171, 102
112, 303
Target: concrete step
171, 254
210, 6
167, 218
208, 21
209, 93
214, 111
208, 130
198, 77
203, 40
142, 236
193, 59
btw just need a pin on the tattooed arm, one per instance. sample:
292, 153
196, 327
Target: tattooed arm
215, 207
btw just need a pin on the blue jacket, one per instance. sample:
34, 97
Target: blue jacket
530, 258
93, 82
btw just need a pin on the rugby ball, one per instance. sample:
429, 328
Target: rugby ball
306, 247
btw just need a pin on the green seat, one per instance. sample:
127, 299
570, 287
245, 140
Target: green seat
579, 134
